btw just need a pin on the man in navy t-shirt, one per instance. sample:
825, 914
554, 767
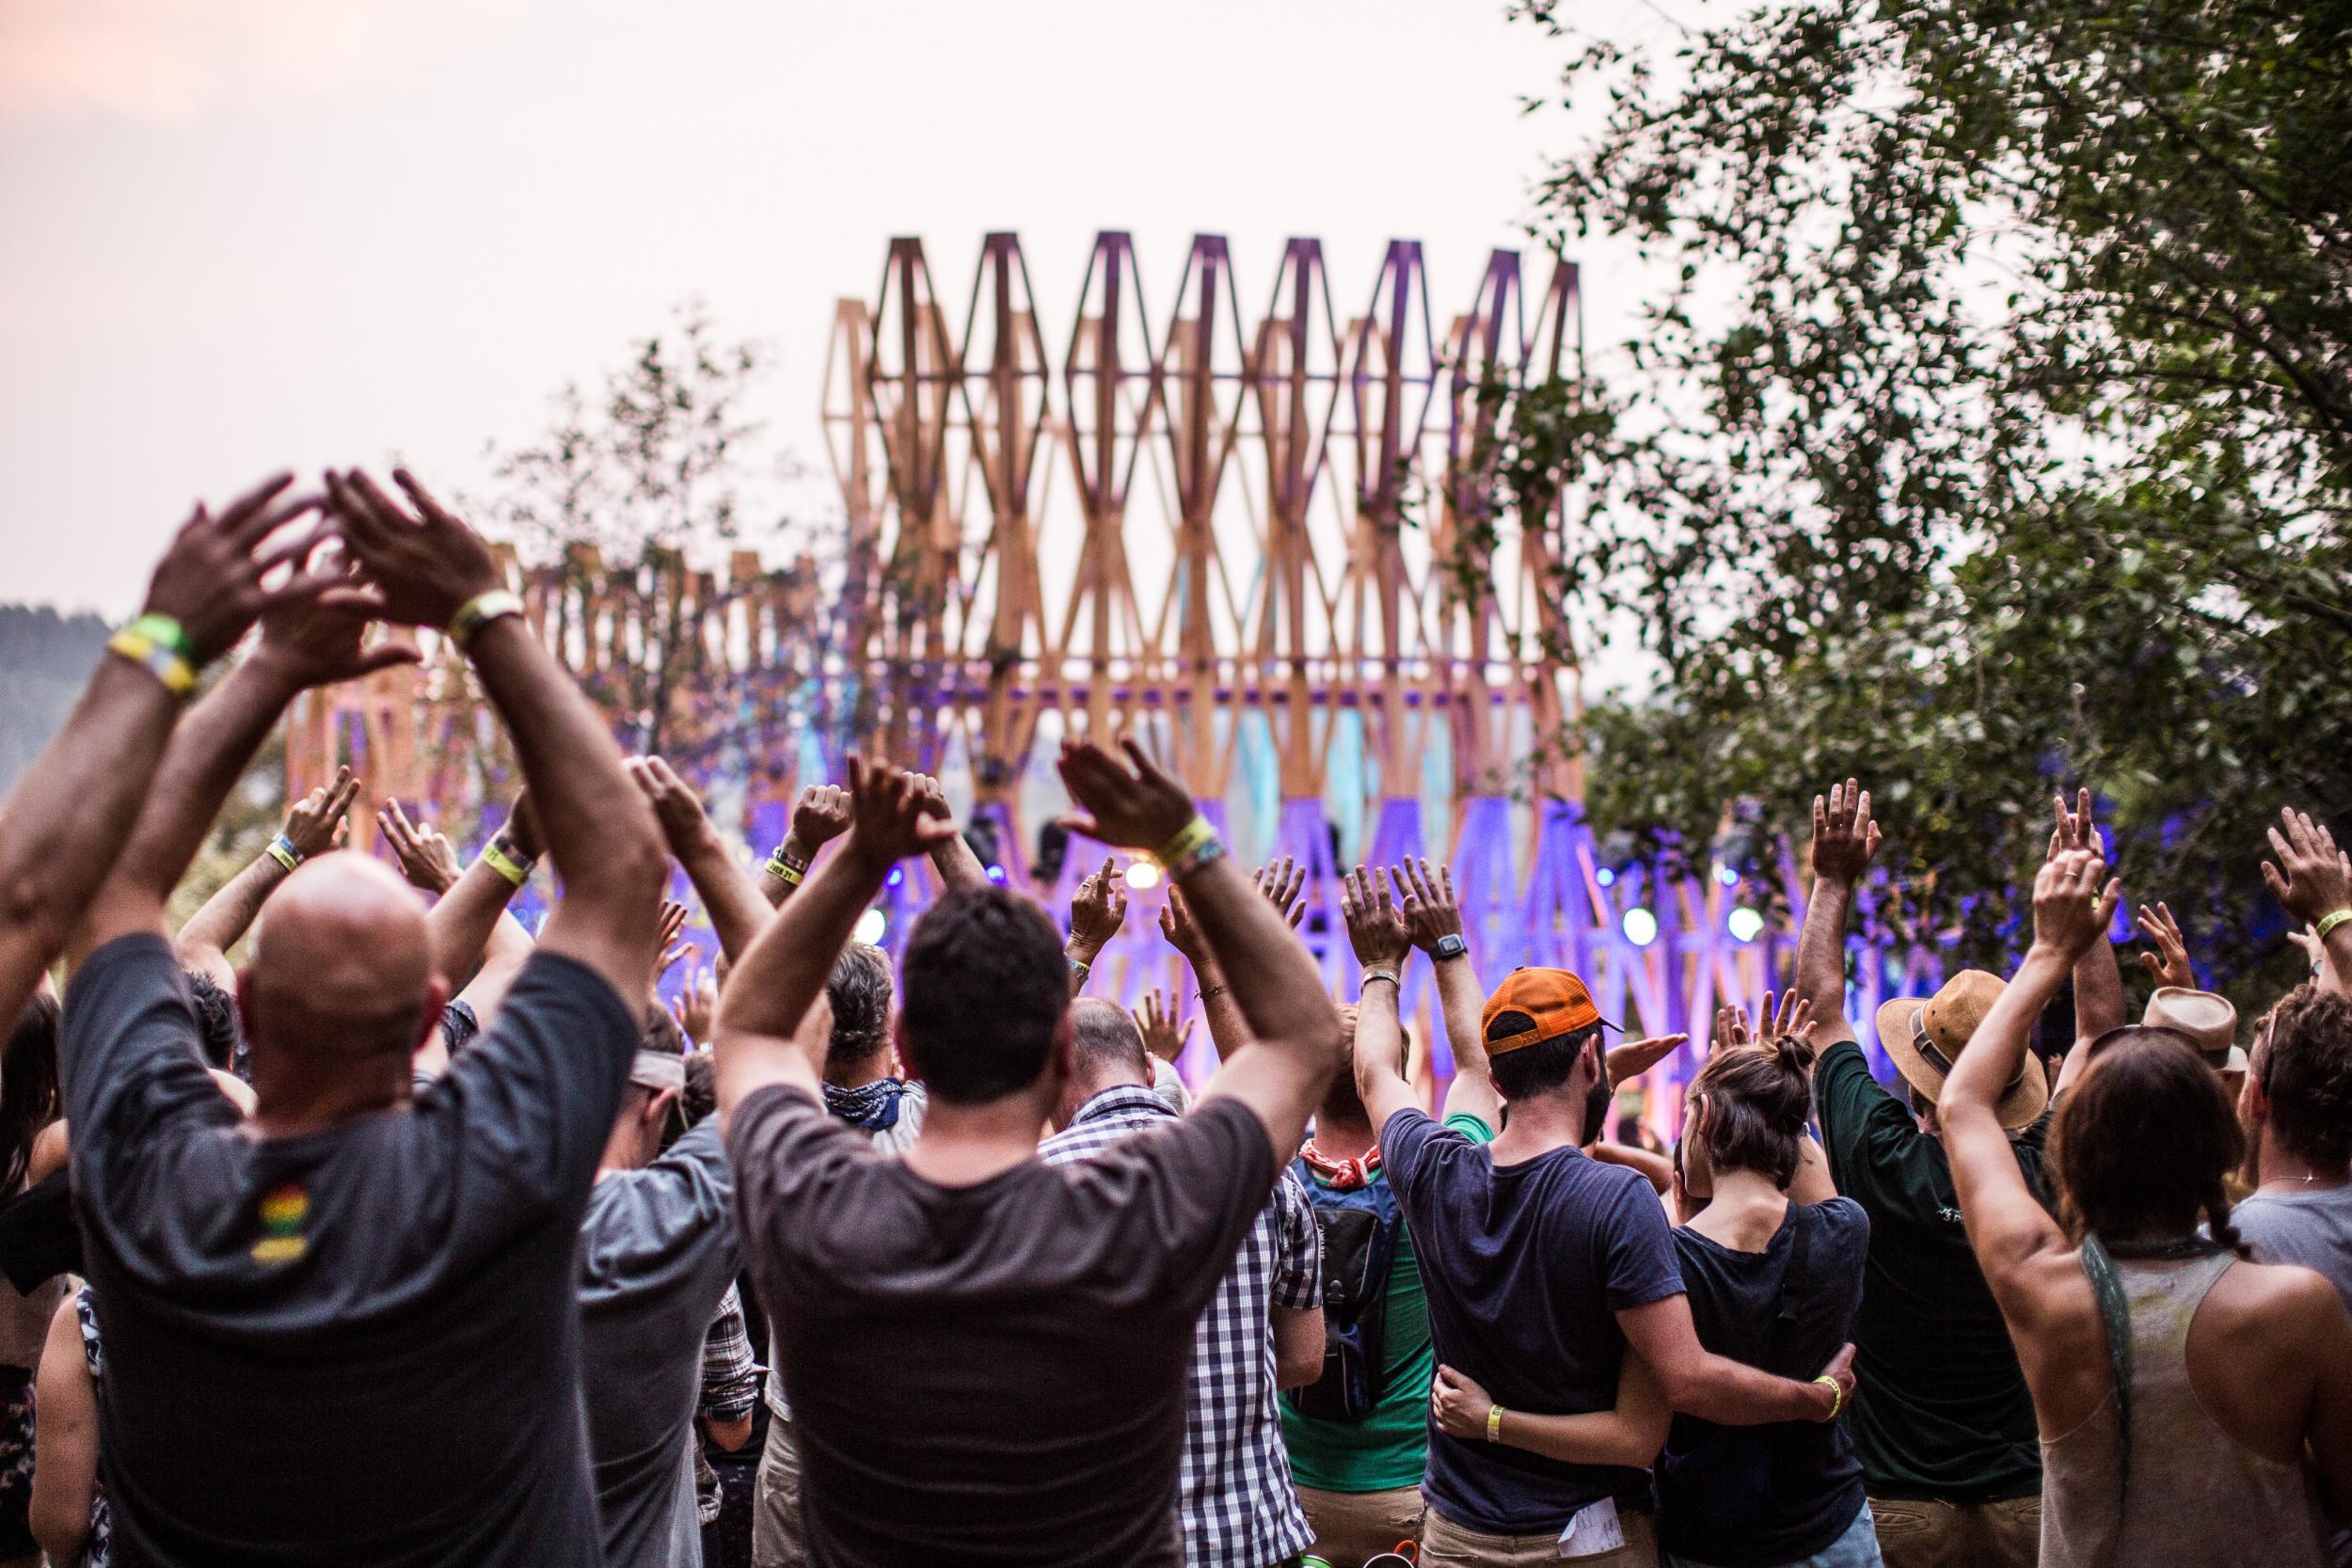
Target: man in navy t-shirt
1542, 1267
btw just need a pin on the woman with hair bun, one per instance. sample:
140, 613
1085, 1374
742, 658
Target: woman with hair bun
1772, 1259
2179, 1387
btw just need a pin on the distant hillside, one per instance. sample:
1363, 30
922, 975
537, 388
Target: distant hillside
44, 659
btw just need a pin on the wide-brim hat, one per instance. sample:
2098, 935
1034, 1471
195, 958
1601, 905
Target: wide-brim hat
1924, 1038
2210, 1023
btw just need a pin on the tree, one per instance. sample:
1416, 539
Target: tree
630, 493
1997, 435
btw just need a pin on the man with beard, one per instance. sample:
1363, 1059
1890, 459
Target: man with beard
1542, 1267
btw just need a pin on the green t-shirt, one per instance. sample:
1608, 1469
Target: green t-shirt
1940, 1408
1389, 1447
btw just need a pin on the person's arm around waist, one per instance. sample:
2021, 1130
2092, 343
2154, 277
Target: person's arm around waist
1630, 1434
1716, 1389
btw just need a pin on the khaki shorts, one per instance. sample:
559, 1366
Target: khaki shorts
1929, 1533
1447, 1544
776, 1538
1352, 1526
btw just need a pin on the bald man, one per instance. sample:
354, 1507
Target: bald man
344, 1330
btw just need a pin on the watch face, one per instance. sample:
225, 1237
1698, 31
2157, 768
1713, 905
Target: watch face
1451, 947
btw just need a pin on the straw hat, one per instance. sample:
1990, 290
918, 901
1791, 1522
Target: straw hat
2209, 1022
1924, 1038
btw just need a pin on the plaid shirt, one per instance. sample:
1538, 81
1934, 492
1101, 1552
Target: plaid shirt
730, 1390
1238, 1507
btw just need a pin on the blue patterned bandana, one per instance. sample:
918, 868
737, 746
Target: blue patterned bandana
872, 1106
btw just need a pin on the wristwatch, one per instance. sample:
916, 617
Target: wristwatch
1450, 946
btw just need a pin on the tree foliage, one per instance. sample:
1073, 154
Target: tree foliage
1997, 435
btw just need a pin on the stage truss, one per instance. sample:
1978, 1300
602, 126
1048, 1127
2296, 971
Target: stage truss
1266, 544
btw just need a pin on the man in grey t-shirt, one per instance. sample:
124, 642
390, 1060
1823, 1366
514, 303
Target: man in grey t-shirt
2298, 1083
657, 1254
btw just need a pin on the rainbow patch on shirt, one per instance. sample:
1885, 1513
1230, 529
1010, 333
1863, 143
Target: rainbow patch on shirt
284, 1211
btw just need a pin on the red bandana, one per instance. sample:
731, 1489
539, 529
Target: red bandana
1345, 1175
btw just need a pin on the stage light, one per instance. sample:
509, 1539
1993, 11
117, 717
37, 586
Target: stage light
870, 927
1641, 926
1605, 876
1142, 875
1729, 876
897, 874
996, 874
1744, 924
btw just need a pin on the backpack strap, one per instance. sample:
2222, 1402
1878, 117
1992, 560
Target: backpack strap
2115, 1313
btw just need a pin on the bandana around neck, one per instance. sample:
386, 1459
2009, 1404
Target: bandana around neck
1345, 1175
872, 1106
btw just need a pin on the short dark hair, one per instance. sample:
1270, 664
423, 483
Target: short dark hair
1757, 1100
28, 1084
1104, 1035
661, 1032
2145, 1140
859, 988
2303, 1061
701, 1095
1541, 1068
218, 1029
987, 988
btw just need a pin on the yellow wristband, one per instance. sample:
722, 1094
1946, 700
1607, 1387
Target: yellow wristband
480, 612
1188, 838
1837, 1394
507, 865
177, 673
1494, 1423
786, 872
2330, 922
281, 850
163, 629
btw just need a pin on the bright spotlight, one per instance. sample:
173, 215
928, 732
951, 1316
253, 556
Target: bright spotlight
870, 927
1605, 876
1143, 874
1641, 926
897, 874
996, 874
1744, 924
1727, 876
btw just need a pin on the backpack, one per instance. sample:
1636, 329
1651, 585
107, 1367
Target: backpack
1358, 1230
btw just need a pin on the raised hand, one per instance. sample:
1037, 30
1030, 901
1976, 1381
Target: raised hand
421, 566
2073, 898
1731, 1028
672, 949
821, 815
2075, 829
1636, 1057
1182, 932
1844, 838
1133, 805
210, 579
934, 795
317, 821
522, 828
1789, 1018
2169, 964
428, 860
1156, 1019
675, 805
1376, 926
2314, 882
696, 1005
1430, 909
311, 642
1281, 881
1097, 910
888, 820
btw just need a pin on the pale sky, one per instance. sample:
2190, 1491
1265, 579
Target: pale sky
245, 234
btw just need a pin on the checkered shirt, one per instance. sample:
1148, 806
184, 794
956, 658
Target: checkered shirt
1237, 1504
730, 1390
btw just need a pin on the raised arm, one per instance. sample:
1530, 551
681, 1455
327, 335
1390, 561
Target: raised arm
1434, 917
429, 569
821, 815
2315, 881
1293, 1033
730, 898
1844, 840
2016, 1242
314, 825
2098, 978
959, 868
1377, 931
761, 1038
305, 642
1097, 910
1227, 1030
66, 821
1629, 1436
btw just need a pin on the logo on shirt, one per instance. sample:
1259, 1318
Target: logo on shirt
284, 1210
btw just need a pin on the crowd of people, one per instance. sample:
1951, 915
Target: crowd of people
418, 1238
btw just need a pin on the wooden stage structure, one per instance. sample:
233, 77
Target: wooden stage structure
1264, 540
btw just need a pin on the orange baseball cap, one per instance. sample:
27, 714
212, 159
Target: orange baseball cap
1532, 1005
